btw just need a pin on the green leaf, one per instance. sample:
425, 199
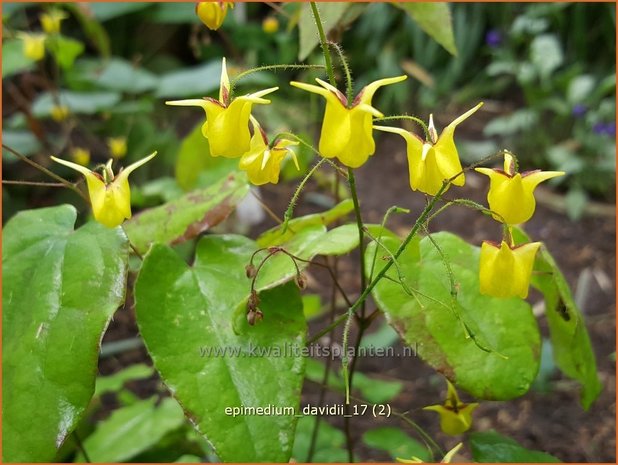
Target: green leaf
338, 241
65, 50
330, 14
110, 10
491, 447
503, 361
276, 235
13, 59
95, 32
435, 20
60, 288
329, 444
312, 306
375, 390
115, 382
195, 166
187, 217
132, 430
87, 103
567, 329
23, 142
397, 443
174, 13
192, 82
546, 54
184, 315
576, 201
122, 76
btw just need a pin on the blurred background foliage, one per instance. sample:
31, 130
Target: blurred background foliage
546, 72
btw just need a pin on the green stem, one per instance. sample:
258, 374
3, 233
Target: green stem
325, 50
49, 173
346, 69
290, 210
269, 68
417, 225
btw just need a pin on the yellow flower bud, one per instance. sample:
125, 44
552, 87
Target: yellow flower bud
212, 14
455, 416
117, 146
60, 112
81, 156
34, 45
110, 195
270, 25
347, 126
505, 271
51, 20
263, 163
432, 162
511, 194
227, 123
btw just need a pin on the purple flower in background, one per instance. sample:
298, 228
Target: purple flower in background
599, 128
579, 110
608, 129
493, 38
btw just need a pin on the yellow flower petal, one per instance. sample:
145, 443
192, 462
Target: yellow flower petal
212, 14
505, 272
111, 203
366, 94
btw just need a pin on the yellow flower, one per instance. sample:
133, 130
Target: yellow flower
212, 14
59, 112
117, 146
448, 457
511, 194
505, 271
81, 156
455, 416
110, 194
227, 123
270, 25
263, 162
347, 126
34, 45
51, 20
432, 162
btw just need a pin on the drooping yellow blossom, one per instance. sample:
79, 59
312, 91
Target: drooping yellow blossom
270, 25
110, 195
263, 162
51, 20
117, 146
34, 45
448, 457
81, 156
432, 162
511, 194
212, 14
227, 123
347, 126
505, 271
455, 416
60, 112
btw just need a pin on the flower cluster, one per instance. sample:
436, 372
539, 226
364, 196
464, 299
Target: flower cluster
505, 269
227, 130
34, 42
